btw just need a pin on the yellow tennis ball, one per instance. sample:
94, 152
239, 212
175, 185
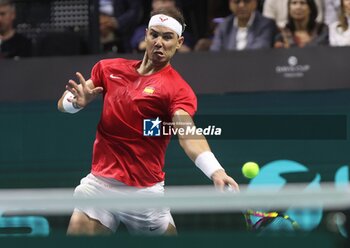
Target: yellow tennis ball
250, 170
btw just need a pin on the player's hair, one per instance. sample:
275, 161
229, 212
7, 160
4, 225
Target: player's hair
172, 12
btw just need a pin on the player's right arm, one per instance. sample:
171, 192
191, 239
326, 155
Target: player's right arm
198, 150
79, 95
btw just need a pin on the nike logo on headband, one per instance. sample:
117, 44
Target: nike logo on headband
163, 19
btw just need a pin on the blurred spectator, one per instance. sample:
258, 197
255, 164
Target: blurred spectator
12, 44
332, 9
278, 10
118, 20
217, 9
216, 12
302, 29
196, 16
138, 39
67, 43
260, 5
246, 28
339, 31
204, 44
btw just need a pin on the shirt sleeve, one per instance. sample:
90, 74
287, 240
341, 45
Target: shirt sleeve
184, 99
97, 75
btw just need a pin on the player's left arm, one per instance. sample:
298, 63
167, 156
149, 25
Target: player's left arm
198, 150
81, 94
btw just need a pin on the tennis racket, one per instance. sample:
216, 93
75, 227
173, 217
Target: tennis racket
269, 220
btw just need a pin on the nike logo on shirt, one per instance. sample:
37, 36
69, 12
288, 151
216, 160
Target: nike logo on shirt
114, 77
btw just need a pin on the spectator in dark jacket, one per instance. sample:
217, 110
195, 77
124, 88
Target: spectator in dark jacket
246, 28
118, 20
12, 44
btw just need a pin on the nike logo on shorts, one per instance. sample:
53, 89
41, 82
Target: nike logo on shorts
154, 228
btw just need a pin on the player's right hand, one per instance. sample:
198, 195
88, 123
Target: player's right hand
221, 179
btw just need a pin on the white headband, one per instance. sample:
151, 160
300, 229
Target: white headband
166, 21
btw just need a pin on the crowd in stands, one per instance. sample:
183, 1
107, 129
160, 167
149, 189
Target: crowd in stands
226, 25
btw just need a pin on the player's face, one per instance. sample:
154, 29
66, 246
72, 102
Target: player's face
7, 16
299, 10
243, 8
161, 44
346, 4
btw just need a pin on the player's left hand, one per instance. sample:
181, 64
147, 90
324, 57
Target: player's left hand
221, 179
83, 92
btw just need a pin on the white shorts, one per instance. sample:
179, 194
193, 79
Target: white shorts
147, 221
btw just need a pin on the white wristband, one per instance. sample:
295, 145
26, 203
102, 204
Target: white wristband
207, 162
68, 106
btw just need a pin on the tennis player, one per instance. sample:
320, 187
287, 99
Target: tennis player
124, 159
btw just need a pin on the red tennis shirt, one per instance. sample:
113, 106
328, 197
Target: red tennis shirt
120, 149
